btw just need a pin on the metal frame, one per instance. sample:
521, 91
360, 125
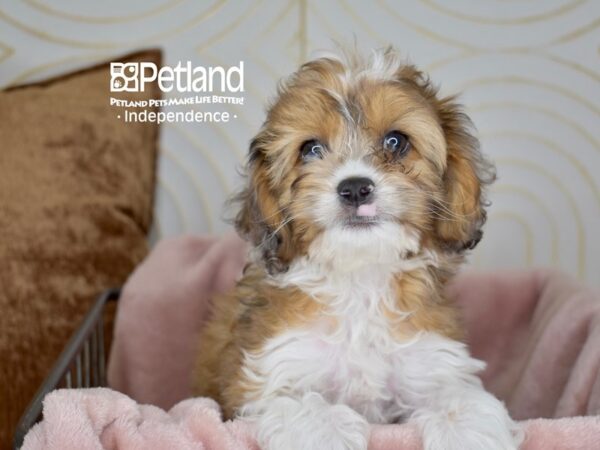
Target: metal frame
82, 363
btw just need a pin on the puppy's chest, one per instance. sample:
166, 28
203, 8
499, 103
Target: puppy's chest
348, 354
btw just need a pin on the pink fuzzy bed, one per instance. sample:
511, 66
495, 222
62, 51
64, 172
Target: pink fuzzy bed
539, 332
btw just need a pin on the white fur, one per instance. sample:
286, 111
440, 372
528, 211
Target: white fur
381, 64
308, 422
320, 385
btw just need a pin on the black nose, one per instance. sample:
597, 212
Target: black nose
356, 190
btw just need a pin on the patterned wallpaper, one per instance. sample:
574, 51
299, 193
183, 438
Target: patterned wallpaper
529, 71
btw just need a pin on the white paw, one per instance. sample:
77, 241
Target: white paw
472, 427
310, 423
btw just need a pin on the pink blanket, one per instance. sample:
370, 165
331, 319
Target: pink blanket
539, 331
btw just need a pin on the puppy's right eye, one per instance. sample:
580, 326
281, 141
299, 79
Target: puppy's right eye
311, 150
396, 142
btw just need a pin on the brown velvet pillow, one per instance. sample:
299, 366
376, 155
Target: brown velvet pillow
76, 195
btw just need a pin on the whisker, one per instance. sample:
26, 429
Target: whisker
284, 223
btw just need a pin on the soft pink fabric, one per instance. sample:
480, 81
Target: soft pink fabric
100, 418
162, 308
539, 331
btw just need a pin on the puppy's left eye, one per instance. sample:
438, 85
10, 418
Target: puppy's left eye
312, 149
396, 142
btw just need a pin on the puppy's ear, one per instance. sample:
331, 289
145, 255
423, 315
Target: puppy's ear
461, 209
261, 219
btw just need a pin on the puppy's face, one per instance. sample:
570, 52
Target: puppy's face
362, 161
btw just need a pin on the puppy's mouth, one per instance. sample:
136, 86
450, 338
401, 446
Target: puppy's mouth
363, 216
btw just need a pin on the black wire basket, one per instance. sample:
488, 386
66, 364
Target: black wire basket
81, 364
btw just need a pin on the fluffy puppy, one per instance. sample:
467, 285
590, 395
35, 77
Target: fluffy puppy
364, 191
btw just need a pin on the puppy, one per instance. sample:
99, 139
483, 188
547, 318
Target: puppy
365, 190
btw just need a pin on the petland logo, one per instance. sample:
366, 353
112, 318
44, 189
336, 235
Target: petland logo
133, 77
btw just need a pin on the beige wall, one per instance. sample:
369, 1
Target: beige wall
529, 70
